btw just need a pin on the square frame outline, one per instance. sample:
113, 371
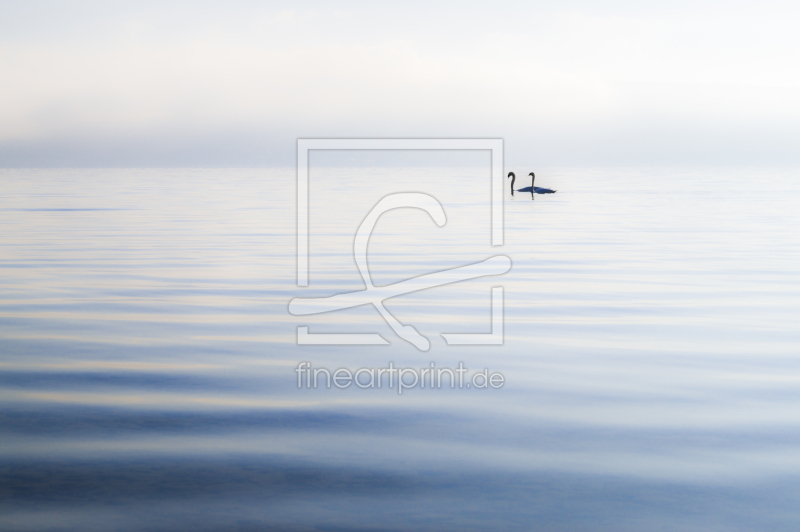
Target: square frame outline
495, 146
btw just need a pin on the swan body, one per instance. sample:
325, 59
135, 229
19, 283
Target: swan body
532, 189
538, 190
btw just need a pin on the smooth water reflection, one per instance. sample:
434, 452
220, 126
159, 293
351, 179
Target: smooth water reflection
147, 370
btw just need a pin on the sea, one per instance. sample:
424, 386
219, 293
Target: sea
644, 348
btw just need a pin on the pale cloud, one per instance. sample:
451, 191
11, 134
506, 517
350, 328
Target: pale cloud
557, 75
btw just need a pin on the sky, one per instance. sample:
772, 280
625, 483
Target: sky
235, 84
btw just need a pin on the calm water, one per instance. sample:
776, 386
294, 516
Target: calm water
147, 357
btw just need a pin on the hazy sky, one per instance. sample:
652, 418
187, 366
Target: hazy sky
192, 84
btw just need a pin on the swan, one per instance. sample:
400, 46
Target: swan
532, 189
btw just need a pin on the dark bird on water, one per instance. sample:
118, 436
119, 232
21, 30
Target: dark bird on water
532, 189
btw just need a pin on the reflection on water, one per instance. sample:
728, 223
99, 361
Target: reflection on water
147, 356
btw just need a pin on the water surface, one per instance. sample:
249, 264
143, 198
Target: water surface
147, 357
